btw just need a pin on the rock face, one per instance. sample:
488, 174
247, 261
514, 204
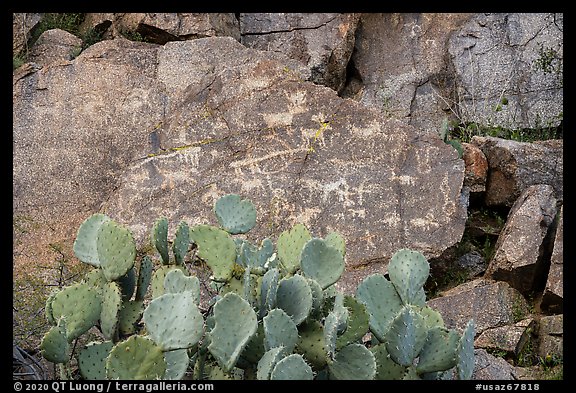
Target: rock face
510, 338
323, 42
55, 45
553, 297
513, 166
490, 303
551, 336
22, 23
508, 69
425, 67
150, 131
523, 247
489, 367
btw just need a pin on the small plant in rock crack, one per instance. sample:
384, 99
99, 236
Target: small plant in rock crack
276, 314
445, 136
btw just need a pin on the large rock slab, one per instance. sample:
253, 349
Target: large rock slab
489, 303
513, 166
551, 337
509, 69
54, 45
553, 297
523, 247
140, 131
323, 42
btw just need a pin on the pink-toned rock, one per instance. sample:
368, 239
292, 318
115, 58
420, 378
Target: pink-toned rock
476, 168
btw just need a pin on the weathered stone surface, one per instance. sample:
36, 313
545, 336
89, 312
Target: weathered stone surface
513, 166
553, 297
324, 42
22, 24
508, 69
476, 170
510, 338
523, 246
489, 367
490, 303
551, 336
401, 68
138, 131
55, 45
423, 67
163, 27
473, 263
160, 28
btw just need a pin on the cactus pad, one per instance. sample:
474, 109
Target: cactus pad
381, 301
54, 345
290, 244
173, 321
159, 276
81, 305
85, 244
144, 277
439, 351
280, 331
386, 368
408, 272
129, 315
268, 288
357, 324
177, 282
181, 242
294, 297
334, 239
292, 367
216, 248
312, 345
234, 214
160, 239
136, 358
235, 324
111, 303
92, 360
353, 362
268, 361
176, 364
322, 262
116, 250
465, 352
406, 337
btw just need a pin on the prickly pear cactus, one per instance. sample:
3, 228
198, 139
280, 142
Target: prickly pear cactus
92, 360
85, 247
290, 244
181, 242
116, 250
136, 358
173, 321
234, 214
408, 271
160, 239
321, 262
236, 323
353, 362
217, 248
80, 305
294, 297
292, 367
54, 345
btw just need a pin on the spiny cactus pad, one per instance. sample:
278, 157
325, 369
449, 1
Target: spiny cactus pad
280, 331
465, 352
353, 362
176, 364
81, 305
268, 288
268, 361
92, 360
136, 358
54, 345
116, 250
439, 351
234, 214
111, 303
236, 323
159, 277
386, 367
295, 297
217, 248
334, 239
381, 301
177, 282
322, 262
173, 321
181, 242
144, 277
85, 243
160, 239
357, 324
406, 336
312, 344
292, 367
409, 270
129, 316
290, 244
127, 284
